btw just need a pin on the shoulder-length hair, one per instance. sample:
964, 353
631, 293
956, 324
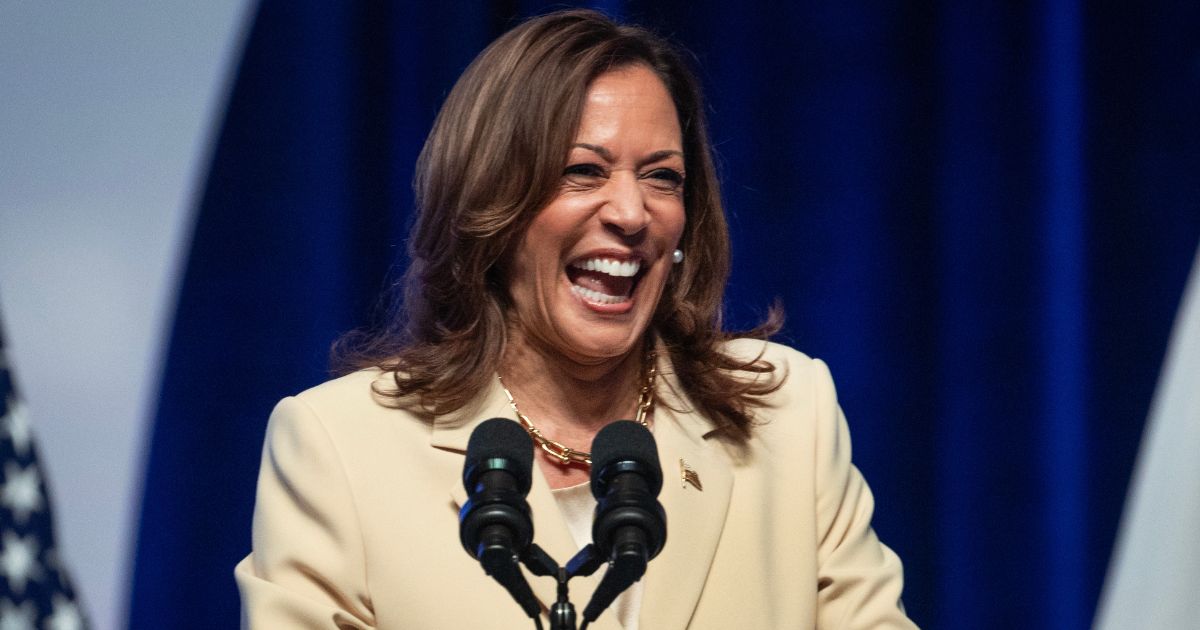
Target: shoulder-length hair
493, 159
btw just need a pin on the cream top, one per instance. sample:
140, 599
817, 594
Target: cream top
577, 505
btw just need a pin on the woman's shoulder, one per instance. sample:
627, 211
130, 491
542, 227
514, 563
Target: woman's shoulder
348, 388
805, 387
360, 395
788, 362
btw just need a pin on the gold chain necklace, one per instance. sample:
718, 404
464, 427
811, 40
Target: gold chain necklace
567, 455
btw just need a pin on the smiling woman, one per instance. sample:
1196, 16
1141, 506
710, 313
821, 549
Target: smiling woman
588, 271
567, 270
524, 131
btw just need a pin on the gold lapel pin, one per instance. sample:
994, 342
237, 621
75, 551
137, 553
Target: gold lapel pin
688, 475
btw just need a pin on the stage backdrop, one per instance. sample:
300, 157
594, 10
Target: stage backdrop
980, 214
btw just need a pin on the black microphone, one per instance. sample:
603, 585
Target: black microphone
494, 524
630, 526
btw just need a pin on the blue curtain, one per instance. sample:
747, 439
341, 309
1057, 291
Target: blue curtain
980, 214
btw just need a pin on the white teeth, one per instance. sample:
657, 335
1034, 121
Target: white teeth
596, 296
610, 267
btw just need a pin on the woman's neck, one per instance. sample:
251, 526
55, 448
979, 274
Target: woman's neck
569, 402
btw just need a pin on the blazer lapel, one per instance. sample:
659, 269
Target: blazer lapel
695, 516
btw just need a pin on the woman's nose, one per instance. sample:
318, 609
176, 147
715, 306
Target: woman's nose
625, 207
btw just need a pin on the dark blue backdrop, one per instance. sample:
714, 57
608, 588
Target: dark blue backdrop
981, 214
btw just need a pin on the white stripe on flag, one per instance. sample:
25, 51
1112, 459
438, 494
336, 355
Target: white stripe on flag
1154, 577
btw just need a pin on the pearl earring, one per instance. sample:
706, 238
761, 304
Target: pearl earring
677, 256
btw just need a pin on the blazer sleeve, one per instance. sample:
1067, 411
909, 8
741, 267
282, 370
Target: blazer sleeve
307, 568
859, 580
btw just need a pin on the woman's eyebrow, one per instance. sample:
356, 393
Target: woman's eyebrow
661, 155
607, 155
595, 148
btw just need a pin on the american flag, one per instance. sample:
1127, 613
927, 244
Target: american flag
35, 590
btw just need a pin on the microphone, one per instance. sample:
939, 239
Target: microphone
630, 525
494, 524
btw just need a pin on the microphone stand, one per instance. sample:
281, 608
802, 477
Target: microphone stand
539, 563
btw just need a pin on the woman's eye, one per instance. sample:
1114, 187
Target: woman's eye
666, 178
582, 171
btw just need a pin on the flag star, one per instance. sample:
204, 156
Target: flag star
22, 492
66, 615
18, 561
13, 617
16, 424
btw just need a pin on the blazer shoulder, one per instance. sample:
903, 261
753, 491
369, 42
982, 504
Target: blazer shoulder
794, 366
357, 397
352, 385
805, 396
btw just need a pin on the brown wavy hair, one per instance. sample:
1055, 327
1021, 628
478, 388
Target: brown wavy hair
493, 159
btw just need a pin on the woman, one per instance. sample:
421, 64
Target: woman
567, 270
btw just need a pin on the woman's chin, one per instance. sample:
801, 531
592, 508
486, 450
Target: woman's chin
592, 344
592, 332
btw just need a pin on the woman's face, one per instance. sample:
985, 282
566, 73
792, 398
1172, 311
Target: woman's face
588, 272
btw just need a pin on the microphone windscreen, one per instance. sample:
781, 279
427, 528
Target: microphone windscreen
626, 441
499, 444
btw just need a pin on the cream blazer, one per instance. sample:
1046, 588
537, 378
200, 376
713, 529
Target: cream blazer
356, 521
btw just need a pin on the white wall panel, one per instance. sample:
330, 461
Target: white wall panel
107, 111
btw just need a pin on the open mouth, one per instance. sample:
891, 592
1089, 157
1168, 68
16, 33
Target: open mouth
603, 280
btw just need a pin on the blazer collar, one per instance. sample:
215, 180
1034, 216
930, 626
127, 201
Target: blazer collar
695, 518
